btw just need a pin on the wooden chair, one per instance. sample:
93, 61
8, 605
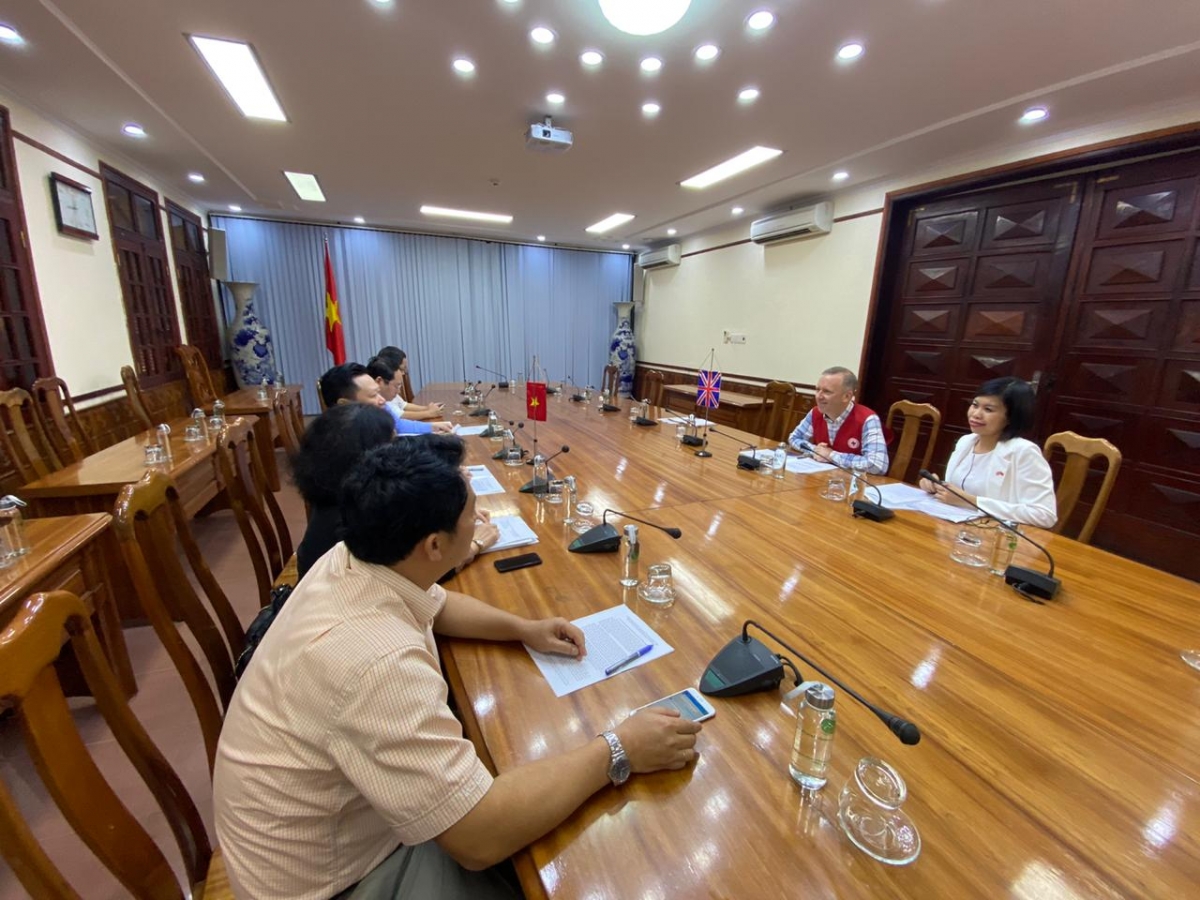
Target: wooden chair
199, 379
289, 423
23, 437
652, 390
29, 685
242, 471
776, 412
151, 527
320, 396
71, 441
914, 414
1081, 451
610, 380
137, 400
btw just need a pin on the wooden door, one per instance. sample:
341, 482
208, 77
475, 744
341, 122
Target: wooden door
1127, 364
195, 286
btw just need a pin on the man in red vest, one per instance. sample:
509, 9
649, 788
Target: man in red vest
841, 430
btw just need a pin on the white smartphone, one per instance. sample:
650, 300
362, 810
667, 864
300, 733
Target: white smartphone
688, 703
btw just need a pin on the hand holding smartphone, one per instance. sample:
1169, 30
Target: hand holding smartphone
689, 703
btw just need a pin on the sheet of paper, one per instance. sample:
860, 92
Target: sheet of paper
612, 635
484, 481
806, 465
682, 420
469, 430
513, 533
905, 496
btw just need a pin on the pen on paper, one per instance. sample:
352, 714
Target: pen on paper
632, 657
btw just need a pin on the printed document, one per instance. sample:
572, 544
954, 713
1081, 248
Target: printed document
484, 481
905, 496
513, 533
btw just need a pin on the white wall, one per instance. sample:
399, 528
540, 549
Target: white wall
77, 279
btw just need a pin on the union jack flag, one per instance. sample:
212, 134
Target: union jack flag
708, 389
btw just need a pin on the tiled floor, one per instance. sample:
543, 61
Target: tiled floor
164, 709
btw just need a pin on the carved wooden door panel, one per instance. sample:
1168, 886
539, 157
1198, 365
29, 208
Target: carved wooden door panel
1129, 354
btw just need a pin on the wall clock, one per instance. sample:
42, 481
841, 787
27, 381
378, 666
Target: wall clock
73, 210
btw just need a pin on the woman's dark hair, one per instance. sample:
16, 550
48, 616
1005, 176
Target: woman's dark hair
1018, 399
331, 446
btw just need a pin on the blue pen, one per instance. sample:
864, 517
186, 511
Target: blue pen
635, 655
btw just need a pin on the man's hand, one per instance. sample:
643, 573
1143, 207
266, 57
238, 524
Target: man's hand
555, 635
442, 428
487, 534
438, 406
823, 451
656, 739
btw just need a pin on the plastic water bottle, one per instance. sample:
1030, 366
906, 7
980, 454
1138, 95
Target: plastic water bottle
816, 724
1003, 549
779, 461
630, 549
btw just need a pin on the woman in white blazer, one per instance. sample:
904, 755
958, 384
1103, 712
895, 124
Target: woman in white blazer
1004, 474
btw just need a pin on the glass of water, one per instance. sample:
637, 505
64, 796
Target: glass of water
971, 547
835, 488
659, 586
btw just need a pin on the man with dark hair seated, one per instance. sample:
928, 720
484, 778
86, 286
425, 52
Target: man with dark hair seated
341, 771
351, 383
397, 360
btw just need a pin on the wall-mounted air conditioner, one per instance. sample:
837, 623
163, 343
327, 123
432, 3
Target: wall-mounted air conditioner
661, 258
790, 226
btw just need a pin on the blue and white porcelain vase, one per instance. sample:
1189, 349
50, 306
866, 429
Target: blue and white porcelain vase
621, 351
250, 348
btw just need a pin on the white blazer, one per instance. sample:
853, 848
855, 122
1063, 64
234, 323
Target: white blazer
1020, 486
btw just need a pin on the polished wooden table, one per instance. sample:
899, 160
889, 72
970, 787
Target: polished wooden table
1061, 742
735, 410
245, 402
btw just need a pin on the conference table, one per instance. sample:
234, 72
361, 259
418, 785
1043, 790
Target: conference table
1060, 750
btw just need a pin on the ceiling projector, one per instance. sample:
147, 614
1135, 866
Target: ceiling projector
545, 137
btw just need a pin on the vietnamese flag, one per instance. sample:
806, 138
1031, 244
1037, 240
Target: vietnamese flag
334, 341
535, 400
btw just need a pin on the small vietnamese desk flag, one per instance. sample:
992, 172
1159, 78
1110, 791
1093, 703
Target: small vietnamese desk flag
708, 389
334, 341
535, 400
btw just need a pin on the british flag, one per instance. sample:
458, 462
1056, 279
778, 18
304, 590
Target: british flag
708, 389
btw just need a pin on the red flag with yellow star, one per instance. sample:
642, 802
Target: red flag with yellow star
535, 400
334, 342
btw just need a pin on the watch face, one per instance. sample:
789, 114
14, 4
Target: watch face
75, 209
619, 773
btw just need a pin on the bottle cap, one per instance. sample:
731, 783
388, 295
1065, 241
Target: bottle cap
631, 533
819, 696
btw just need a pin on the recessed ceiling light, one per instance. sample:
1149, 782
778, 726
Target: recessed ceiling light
236, 67
463, 66
610, 223
737, 210
748, 95
707, 52
306, 186
359, 220
382, 2
10, 35
651, 64
501, 218
840, 176
651, 109
542, 35
195, 178
591, 57
542, 238
761, 20
642, 18
234, 208
740, 163
555, 97
850, 51
1034, 114
133, 129
670, 232
624, 246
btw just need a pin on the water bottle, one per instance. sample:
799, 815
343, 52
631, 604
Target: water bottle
629, 557
779, 461
570, 495
1003, 549
816, 724
541, 472
493, 427
219, 411
12, 529
634, 410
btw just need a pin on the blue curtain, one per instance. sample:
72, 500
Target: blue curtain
451, 303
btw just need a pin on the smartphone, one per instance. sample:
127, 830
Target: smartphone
688, 703
518, 562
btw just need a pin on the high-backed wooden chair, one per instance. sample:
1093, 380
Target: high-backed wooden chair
406, 389
199, 379
23, 436
914, 414
29, 685
776, 412
71, 441
137, 400
610, 380
151, 528
1081, 452
320, 396
652, 390
289, 422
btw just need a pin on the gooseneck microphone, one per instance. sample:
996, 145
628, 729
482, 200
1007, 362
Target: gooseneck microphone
605, 538
537, 485
1029, 583
483, 410
863, 509
502, 381
743, 462
745, 666
575, 397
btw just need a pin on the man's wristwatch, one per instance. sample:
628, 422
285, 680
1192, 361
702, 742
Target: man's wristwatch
618, 767
477, 545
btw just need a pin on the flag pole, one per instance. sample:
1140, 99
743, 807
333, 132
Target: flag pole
703, 452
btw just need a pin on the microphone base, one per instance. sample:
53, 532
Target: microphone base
534, 486
865, 509
479, 413
577, 398
1032, 584
603, 538
608, 407
640, 420
750, 463
742, 667
690, 440
703, 454
549, 390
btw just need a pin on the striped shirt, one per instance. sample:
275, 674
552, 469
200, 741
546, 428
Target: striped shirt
873, 458
339, 745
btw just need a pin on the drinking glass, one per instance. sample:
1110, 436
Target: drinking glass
680, 431
659, 586
835, 488
583, 516
554, 491
191, 434
970, 546
153, 454
870, 814
1191, 657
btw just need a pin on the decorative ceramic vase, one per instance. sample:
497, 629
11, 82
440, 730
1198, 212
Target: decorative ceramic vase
621, 350
250, 348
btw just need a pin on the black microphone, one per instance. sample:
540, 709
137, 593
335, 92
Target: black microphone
483, 410
575, 397
605, 538
863, 509
743, 462
1029, 583
502, 383
536, 485
745, 666
503, 451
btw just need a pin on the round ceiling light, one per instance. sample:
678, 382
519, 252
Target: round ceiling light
233, 207
850, 51
556, 98
463, 66
643, 16
134, 130
10, 35
651, 108
591, 57
671, 232
1034, 114
841, 176
761, 20
707, 52
542, 35
195, 178
737, 211
748, 95
359, 220
651, 64
542, 238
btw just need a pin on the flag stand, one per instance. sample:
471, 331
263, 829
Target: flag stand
703, 452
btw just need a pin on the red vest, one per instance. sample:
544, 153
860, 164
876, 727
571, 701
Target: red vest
849, 436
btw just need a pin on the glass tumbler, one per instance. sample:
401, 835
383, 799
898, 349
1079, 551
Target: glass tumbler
835, 488
870, 814
970, 546
554, 491
659, 586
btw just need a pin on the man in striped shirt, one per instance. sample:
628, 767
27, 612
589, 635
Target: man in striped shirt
840, 430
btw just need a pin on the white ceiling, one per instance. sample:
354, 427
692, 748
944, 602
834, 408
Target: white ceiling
377, 113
